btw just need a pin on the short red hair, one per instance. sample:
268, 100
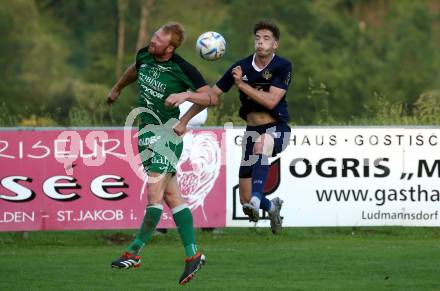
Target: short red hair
177, 33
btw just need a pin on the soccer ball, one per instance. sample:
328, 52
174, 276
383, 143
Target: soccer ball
211, 45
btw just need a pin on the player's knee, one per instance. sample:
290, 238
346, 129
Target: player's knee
258, 148
171, 200
155, 196
263, 150
168, 196
264, 145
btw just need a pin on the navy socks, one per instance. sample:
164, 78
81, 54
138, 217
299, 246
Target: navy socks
259, 174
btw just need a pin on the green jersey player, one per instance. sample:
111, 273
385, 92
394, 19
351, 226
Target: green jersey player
161, 73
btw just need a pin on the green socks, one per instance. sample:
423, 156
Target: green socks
184, 222
149, 223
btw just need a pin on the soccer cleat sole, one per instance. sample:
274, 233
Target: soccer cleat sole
191, 275
126, 268
248, 210
275, 229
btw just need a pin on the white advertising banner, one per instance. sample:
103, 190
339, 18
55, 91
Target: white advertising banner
348, 176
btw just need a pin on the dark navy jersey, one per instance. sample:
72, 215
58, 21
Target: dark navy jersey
277, 73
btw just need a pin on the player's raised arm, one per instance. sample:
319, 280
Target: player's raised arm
205, 96
129, 76
267, 99
202, 98
270, 98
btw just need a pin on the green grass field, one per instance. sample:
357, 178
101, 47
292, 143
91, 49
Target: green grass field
237, 259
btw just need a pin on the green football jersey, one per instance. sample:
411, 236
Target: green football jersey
157, 80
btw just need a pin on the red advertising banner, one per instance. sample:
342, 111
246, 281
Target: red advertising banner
92, 179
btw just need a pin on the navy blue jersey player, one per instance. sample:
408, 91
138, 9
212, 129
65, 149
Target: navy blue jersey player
262, 80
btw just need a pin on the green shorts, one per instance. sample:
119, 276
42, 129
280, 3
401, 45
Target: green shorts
159, 148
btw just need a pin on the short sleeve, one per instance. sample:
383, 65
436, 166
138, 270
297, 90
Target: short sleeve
193, 75
226, 81
138, 54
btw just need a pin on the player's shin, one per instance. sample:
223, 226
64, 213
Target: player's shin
184, 222
149, 223
259, 174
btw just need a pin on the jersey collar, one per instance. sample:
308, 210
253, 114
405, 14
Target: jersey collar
256, 68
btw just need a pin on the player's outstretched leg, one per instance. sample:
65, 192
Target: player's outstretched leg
192, 265
276, 220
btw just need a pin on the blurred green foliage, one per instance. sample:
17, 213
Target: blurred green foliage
371, 62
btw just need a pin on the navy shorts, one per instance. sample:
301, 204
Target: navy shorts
279, 131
